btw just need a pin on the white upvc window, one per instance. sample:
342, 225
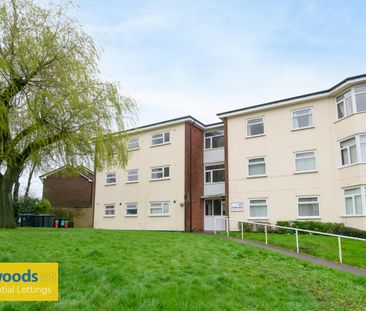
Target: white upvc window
353, 150
160, 138
255, 127
111, 178
257, 167
133, 144
355, 201
109, 210
302, 118
214, 139
131, 209
352, 101
214, 173
258, 208
161, 172
159, 208
308, 207
305, 161
132, 176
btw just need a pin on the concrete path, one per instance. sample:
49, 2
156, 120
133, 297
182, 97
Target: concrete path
313, 259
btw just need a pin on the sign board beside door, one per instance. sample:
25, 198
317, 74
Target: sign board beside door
237, 207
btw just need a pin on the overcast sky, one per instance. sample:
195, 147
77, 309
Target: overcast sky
199, 58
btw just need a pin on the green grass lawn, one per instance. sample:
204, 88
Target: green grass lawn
353, 252
124, 270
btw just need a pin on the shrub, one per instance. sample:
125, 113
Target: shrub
326, 227
29, 205
43, 207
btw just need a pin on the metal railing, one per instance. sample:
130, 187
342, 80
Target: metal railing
297, 230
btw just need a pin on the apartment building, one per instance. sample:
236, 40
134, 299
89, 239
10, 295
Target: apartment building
302, 158
161, 186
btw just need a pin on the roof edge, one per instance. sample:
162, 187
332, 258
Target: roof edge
318, 94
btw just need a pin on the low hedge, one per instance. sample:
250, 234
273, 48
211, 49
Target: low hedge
327, 227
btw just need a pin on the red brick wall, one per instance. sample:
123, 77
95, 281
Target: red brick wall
193, 178
66, 191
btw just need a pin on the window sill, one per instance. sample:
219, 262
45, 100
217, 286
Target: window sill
160, 179
256, 176
215, 183
303, 128
134, 149
109, 216
353, 216
209, 149
310, 217
168, 215
131, 216
132, 182
158, 145
258, 218
305, 172
255, 136
350, 165
107, 185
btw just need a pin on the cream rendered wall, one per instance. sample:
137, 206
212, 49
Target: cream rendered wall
281, 186
146, 191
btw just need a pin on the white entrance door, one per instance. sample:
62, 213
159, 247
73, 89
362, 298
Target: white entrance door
214, 208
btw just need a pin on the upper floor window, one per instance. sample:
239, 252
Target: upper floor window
214, 139
352, 101
109, 210
302, 118
308, 207
255, 127
305, 161
215, 173
133, 144
353, 150
162, 172
256, 167
111, 178
132, 176
355, 201
160, 138
258, 209
131, 209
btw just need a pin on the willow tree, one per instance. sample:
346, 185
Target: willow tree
52, 101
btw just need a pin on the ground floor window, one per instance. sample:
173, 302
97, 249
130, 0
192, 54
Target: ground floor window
109, 210
214, 207
258, 208
131, 209
159, 209
355, 201
308, 207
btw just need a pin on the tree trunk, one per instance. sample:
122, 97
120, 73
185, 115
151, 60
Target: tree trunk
30, 179
7, 181
16, 191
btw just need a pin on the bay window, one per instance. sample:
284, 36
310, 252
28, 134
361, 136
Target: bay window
353, 150
352, 101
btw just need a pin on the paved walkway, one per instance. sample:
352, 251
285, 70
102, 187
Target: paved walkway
313, 259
